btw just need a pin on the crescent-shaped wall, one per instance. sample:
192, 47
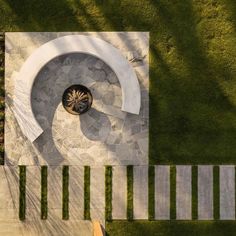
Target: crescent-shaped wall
131, 98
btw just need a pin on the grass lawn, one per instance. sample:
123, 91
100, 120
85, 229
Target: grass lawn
192, 75
171, 228
192, 70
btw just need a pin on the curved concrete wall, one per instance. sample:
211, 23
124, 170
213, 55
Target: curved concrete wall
131, 99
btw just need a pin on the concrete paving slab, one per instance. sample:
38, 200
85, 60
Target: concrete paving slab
205, 192
119, 192
162, 192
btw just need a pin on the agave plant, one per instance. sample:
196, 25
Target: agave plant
77, 100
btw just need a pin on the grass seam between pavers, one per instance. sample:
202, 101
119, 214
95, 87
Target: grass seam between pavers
108, 193
172, 192
130, 193
151, 192
22, 192
194, 192
87, 192
65, 193
44, 190
216, 192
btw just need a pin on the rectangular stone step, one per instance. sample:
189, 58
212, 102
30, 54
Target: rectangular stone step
140, 195
183, 192
162, 192
9, 203
119, 192
205, 192
76, 192
33, 191
55, 191
97, 193
227, 192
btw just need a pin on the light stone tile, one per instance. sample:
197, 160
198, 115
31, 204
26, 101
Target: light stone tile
12, 176
140, 195
205, 192
162, 192
55, 190
183, 192
97, 193
76, 192
119, 192
33, 191
8, 211
10, 228
227, 192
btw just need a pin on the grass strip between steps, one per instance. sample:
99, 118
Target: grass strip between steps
172, 192
216, 192
129, 192
151, 192
194, 192
22, 195
2, 96
87, 193
65, 195
108, 193
44, 192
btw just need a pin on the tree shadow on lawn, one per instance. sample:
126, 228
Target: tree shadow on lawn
192, 116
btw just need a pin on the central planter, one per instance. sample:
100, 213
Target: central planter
77, 99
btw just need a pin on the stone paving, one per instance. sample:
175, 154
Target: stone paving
103, 136
54, 225
205, 192
76, 192
162, 192
55, 191
140, 192
183, 192
97, 194
33, 192
227, 192
119, 192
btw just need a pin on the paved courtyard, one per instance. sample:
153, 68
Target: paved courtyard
104, 135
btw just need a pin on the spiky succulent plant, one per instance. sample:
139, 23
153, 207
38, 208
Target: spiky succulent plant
77, 100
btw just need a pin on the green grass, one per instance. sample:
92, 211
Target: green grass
171, 228
216, 192
87, 193
129, 192
65, 193
108, 193
172, 192
151, 193
44, 192
194, 192
192, 65
22, 191
192, 79
2, 94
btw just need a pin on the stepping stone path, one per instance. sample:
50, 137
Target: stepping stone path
33, 225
